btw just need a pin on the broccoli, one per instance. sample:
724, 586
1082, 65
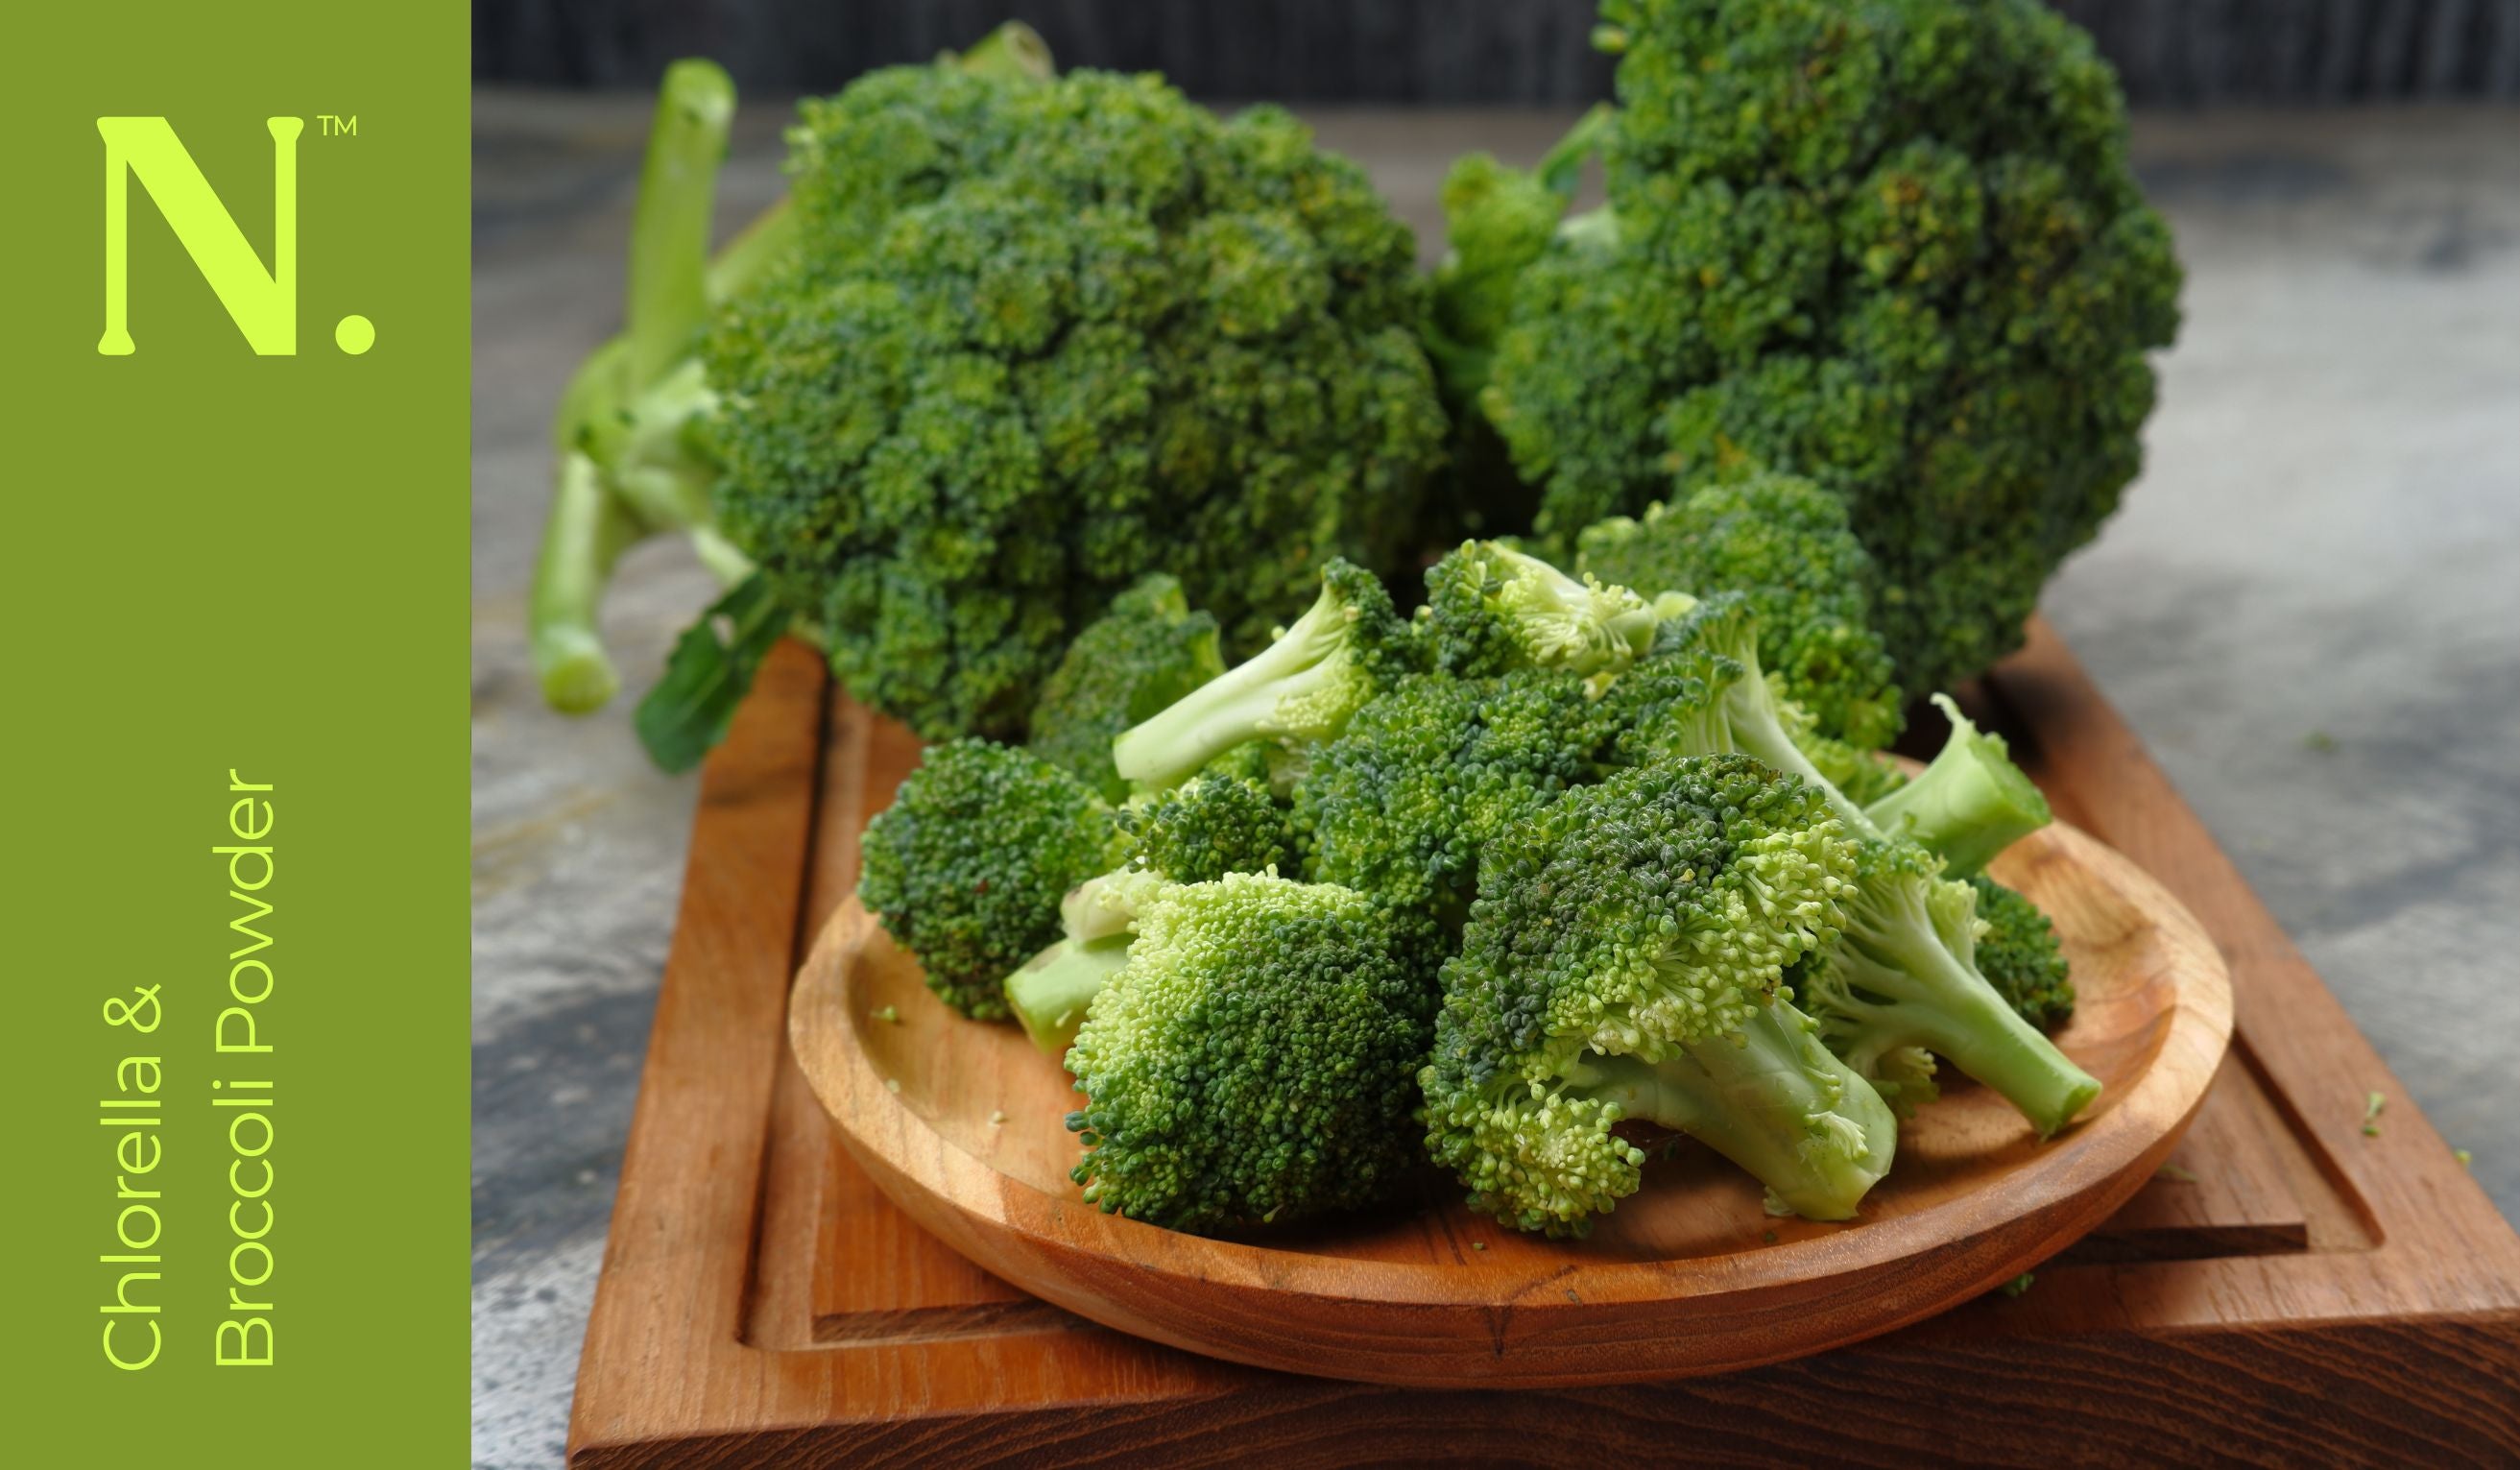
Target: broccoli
967, 867
632, 429
2018, 954
1014, 341
1784, 545
1252, 1061
1903, 975
1214, 824
1893, 247
1624, 958
1865, 776
1298, 691
1972, 803
1491, 610
1432, 769
1147, 651
1043, 337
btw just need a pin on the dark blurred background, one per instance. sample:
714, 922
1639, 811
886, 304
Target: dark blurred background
2181, 53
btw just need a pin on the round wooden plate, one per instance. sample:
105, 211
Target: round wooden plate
1688, 1276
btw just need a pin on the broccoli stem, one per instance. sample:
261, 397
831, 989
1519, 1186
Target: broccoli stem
1049, 996
1773, 1100
669, 234
1930, 997
1969, 805
1238, 704
1013, 52
1561, 169
588, 529
1759, 730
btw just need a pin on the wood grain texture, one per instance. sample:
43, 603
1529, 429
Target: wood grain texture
2392, 1336
961, 1125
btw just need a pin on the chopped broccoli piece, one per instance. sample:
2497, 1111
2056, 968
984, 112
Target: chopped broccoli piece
2018, 954
967, 867
1903, 973
1491, 610
1624, 958
1144, 654
1298, 691
1208, 827
1784, 545
1253, 1060
1969, 805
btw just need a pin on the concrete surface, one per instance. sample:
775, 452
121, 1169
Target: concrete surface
2309, 608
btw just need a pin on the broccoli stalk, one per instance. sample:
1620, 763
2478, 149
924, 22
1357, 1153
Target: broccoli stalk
1758, 722
1300, 689
1771, 1098
1903, 975
627, 470
1969, 805
1050, 995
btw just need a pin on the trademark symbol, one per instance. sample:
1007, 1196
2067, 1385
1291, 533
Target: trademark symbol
333, 126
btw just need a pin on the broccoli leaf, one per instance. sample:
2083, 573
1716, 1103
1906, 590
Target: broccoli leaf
708, 673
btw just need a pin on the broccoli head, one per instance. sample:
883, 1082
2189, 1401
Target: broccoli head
1491, 610
1784, 545
1296, 692
1434, 769
1893, 247
1253, 1061
1040, 336
1624, 959
1214, 824
1147, 651
968, 866
2018, 954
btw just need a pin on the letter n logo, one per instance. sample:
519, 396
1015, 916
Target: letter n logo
262, 304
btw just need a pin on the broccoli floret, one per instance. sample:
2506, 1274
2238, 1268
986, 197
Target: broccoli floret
1043, 338
1144, 654
1213, 824
1969, 805
1784, 545
1497, 222
1432, 769
1251, 1061
967, 868
2018, 954
1903, 973
1624, 958
1895, 247
1298, 691
1491, 610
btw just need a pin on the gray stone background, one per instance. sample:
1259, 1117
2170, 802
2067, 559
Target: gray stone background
2309, 609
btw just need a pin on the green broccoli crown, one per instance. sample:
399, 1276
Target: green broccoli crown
1252, 1062
1648, 918
1208, 826
1784, 544
1144, 654
2018, 954
1904, 974
1297, 692
1432, 769
967, 868
1491, 610
1893, 247
1039, 337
